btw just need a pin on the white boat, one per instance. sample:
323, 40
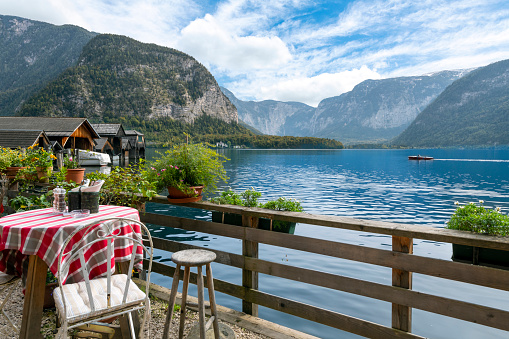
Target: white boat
90, 158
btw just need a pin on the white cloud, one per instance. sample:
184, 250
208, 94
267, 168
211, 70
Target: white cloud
208, 41
311, 90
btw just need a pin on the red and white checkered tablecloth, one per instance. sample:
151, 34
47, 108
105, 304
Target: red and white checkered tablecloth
42, 233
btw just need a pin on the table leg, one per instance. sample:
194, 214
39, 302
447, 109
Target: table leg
34, 298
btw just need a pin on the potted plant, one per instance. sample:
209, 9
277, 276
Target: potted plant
478, 219
41, 162
249, 198
74, 171
11, 162
187, 170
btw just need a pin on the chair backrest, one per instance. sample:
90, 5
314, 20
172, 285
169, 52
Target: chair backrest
92, 250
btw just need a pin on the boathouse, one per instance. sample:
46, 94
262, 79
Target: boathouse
110, 136
69, 132
13, 138
137, 144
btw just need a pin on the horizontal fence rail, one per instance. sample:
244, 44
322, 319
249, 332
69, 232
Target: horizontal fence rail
400, 259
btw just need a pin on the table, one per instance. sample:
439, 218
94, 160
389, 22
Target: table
29, 244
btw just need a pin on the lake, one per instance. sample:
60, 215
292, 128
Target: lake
365, 184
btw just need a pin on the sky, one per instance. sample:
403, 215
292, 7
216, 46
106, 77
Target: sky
298, 50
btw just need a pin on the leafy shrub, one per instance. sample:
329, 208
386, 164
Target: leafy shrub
478, 219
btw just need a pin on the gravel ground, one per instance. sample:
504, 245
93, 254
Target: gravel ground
158, 316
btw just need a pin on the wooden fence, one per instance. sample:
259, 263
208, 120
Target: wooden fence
401, 259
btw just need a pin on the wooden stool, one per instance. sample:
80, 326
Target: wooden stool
193, 258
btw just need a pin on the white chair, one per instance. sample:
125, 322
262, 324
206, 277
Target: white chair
85, 300
7, 285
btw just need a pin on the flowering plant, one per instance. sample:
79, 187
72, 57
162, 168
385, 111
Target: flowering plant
188, 165
11, 158
70, 162
39, 157
478, 219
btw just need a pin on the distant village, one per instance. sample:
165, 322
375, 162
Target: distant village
61, 135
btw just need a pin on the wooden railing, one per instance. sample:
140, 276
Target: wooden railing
401, 259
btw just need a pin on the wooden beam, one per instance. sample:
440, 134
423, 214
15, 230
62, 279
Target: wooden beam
249, 277
402, 314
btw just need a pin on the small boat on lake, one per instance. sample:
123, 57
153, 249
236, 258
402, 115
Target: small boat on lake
419, 157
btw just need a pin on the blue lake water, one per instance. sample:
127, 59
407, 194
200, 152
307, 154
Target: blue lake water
364, 184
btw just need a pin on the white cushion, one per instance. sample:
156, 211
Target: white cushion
77, 301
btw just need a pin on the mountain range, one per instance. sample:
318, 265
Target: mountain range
374, 111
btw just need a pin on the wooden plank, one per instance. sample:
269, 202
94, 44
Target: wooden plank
249, 277
484, 276
34, 298
194, 225
440, 305
312, 313
401, 314
371, 226
222, 257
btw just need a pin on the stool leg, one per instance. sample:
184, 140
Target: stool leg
184, 301
201, 306
212, 300
171, 302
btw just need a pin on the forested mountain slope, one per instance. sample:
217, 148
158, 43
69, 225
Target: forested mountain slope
33, 53
118, 77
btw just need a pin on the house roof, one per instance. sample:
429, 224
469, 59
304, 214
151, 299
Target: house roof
52, 126
126, 144
132, 132
109, 129
20, 138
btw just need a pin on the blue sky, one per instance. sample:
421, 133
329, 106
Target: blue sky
298, 50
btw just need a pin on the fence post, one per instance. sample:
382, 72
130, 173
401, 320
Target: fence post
249, 278
402, 315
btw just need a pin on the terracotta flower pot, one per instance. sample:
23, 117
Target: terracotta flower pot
75, 174
177, 196
11, 172
43, 173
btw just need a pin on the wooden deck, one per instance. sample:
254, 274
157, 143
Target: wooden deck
401, 259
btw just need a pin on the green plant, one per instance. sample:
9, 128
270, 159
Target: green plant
21, 203
248, 198
11, 158
70, 162
188, 165
39, 157
125, 186
284, 204
478, 219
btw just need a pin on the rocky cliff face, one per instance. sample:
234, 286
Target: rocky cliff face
212, 103
377, 110
374, 111
270, 116
472, 111
33, 53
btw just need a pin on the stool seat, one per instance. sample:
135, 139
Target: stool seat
193, 257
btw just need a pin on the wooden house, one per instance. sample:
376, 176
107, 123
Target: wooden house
137, 141
14, 138
113, 133
69, 132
